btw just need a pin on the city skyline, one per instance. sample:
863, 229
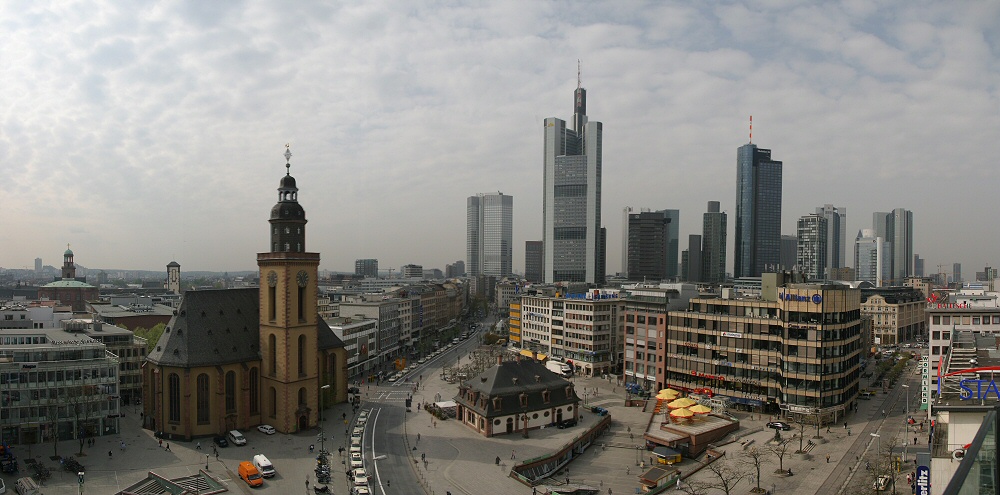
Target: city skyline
144, 134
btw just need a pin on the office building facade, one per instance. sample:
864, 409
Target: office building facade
648, 245
533, 256
571, 201
367, 268
869, 258
758, 211
811, 250
713, 245
489, 244
580, 329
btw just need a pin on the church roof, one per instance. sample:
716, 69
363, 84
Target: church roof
219, 326
69, 283
212, 327
510, 379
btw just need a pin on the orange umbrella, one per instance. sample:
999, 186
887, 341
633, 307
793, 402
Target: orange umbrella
682, 402
669, 391
681, 413
700, 409
664, 396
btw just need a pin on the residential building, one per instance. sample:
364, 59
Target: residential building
367, 268
794, 351
56, 385
571, 202
713, 245
896, 313
836, 237
812, 246
516, 397
870, 258
236, 358
489, 234
580, 328
533, 256
758, 211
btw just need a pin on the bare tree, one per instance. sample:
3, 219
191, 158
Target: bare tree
756, 458
724, 475
780, 450
799, 420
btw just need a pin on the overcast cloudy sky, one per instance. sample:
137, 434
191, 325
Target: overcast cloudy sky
145, 132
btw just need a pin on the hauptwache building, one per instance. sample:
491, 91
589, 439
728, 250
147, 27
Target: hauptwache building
236, 358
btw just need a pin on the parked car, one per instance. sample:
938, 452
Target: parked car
221, 441
353, 390
237, 438
249, 473
266, 429
779, 425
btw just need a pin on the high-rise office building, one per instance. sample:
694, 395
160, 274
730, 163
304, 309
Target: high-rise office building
571, 201
713, 245
367, 268
836, 237
533, 261
758, 212
38, 266
454, 270
869, 257
625, 213
956, 273
489, 241
812, 246
918, 266
652, 235
694, 259
788, 252
896, 227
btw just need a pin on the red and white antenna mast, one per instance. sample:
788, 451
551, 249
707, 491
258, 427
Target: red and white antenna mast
751, 129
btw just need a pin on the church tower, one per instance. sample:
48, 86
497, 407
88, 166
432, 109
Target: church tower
288, 316
69, 267
174, 277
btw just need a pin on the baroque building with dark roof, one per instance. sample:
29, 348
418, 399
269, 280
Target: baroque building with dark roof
235, 358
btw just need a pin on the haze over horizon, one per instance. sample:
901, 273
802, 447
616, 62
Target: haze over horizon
147, 133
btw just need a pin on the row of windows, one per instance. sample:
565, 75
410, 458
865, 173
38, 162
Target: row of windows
965, 320
203, 396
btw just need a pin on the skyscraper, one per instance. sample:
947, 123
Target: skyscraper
869, 257
694, 259
896, 227
648, 239
836, 236
625, 212
956, 273
788, 252
533, 261
812, 246
758, 211
489, 241
571, 201
713, 245
918, 266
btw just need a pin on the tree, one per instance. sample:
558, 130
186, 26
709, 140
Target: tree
780, 450
756, 458
152, 335
724, 475
800, 420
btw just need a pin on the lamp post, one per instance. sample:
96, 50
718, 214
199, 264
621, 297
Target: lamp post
878, 452
525, 418
637, 455
79, 477
322, 431
907, 387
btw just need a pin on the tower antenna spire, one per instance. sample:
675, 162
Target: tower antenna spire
751, 129
579, 82
288, 158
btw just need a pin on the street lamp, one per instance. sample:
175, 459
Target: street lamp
878, 452
637, 449
907, 387
525, 418
79, 477
322, 432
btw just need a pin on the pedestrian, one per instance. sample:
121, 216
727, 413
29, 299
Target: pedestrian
418, 437
123, 445
161, 443
828, 458
628, 470
109, 454
216, 455
198, 446
512, 454
168, 447
845, 425
498, 460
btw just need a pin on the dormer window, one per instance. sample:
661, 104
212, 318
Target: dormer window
546, 396
569, 392
524, 400
497, 403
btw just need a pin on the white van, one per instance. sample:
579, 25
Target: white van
237, 438
263, 465
26, 486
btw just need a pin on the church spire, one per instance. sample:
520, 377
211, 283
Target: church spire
288, 219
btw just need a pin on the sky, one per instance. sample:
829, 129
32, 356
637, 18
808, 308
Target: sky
145, 132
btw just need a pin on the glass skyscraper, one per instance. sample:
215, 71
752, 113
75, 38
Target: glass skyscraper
571, 224
489, 225
713, 245
758, 212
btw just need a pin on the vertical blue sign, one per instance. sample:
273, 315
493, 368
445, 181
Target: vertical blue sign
923, 480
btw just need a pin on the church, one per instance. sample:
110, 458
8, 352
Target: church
237, 358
